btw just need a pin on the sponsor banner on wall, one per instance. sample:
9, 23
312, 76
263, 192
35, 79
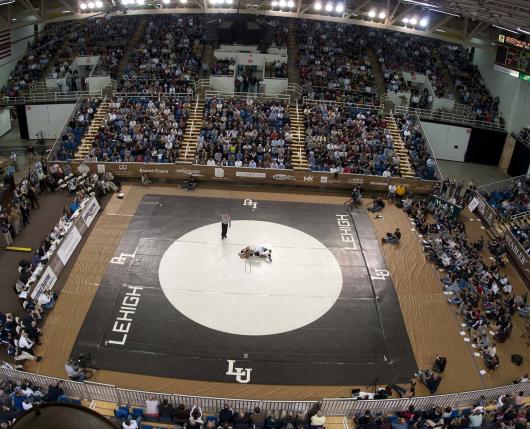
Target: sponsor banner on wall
90, 211
251, 174
485, 210
452, 210
518, 253
307, 178
46, 282
68, 245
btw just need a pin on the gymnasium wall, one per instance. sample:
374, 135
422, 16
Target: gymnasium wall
5, 121
447, 141
514, 94
20, 39
48, 118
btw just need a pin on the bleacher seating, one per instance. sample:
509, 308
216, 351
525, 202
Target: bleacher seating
334, 64
141, 129
33, 65
168, 59
349, 139
77, 127
403, 52
245, 132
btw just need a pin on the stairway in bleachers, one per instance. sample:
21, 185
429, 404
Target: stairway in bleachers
193, 129
131, 47
378, 74
405, 164
293, 69
90, 136
299, 159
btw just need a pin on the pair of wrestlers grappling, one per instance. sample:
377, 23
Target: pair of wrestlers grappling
259, 251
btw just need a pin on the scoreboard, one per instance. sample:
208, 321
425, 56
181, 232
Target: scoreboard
513, 53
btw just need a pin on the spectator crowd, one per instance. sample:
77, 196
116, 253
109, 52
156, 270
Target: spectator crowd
245, 133
347, 139
138, 129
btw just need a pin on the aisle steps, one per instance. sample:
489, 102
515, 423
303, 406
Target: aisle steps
90, 136
293, 69
299, 159
193, 129
405, 164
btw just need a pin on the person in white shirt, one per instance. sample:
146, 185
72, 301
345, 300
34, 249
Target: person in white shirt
151, 407
318, 419
226, 222
24, 343
129, 424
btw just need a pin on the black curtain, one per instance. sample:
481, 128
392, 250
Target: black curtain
22, 121
485, 146
520, 159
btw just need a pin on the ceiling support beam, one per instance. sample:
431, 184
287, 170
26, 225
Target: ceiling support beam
28, 6
402, 15
440, 24
475, 30
390, 15
298, 7
465, 28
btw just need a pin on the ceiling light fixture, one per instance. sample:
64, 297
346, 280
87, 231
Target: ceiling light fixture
290, 4
371, 14
413, 21
382, 15
318, 6
329, 7
99, 4
439, 30
282, 3
83, 6
274, 4
339, 8
165, 1
406, 20
91, 5
424, 22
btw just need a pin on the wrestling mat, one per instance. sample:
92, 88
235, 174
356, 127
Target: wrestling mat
177, 301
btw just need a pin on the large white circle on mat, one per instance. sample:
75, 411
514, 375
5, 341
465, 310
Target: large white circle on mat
205, 279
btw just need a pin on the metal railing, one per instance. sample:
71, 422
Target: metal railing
307, 100
520, 215
329, 406
439, 174
156, 95
247, 95
48, 97
503, 184
294, 88
448, 116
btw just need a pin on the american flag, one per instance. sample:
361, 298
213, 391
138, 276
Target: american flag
5, 43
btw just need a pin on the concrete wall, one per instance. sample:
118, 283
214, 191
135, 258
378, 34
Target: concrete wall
48, 118
513, 93
448, 142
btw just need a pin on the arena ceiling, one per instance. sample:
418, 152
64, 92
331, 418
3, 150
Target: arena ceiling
457, 20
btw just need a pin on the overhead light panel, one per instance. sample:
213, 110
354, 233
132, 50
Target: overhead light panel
318, 6
420, 3
371, 14
339, 8
406, 20
382, 15
505, 29
444, 12
424, 22
290, 4
413, 21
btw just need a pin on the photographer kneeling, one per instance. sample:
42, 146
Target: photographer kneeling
75, 372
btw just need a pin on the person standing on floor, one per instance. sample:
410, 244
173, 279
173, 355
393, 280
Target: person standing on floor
7, 233
226, 223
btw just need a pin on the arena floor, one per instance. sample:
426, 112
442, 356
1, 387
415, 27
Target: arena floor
431, 325
177, 301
